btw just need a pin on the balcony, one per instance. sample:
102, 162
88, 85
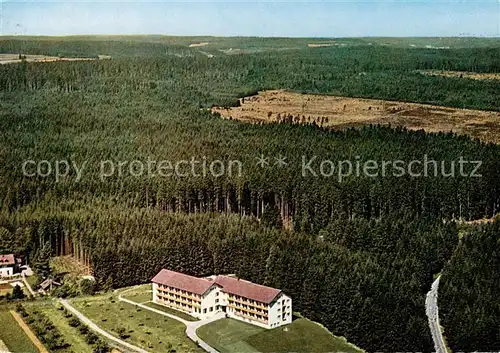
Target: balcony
248, 302
251, 318
174, 295
181, 293
248, 310
179, 300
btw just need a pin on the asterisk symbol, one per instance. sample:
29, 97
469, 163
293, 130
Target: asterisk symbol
262, 161
280, 161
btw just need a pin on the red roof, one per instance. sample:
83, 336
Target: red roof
247, 289
7, 260
181, 281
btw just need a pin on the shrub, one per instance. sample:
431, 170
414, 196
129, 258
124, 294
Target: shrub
17, 293
74, 322
101, 347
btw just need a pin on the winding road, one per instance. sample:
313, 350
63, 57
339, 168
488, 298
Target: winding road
431, 309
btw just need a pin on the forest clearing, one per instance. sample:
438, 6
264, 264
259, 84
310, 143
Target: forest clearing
463, 74
342, 112
17, 58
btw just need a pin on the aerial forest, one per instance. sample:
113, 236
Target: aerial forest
357, 254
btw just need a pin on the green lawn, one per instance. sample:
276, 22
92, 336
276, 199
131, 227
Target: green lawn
139, 294
151, 331
228, 335
181, 314
302, 335
71, 334
13, 335
32, 280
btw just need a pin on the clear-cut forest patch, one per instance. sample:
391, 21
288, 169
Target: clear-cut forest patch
342, 112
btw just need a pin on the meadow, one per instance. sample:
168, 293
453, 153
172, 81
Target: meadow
148, 330
13, 335
301, 336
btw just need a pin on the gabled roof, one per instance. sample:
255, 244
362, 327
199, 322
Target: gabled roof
7, 259
49, 282
184, 282
247, 289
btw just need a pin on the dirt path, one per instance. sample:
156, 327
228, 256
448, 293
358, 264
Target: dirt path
191, 326
99, 330
27, 285
41, 348
3, 347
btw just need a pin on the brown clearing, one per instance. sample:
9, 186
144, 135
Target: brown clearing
342, 112
319, 45
194, 45
14, 58
463, 74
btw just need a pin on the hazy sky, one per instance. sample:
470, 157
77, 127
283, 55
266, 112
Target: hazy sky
253, 18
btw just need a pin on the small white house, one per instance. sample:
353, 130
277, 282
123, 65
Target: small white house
7, 264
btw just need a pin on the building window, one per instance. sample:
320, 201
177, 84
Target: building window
217, 307
216, 294
205, 311
216, 300
211, 308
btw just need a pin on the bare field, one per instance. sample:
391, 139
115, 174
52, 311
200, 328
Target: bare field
342, 112
194, 45
319, 45
14, 58
462, 74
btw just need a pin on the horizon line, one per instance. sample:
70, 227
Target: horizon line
495, 36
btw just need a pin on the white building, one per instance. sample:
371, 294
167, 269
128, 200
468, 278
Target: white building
7, 264
239, 299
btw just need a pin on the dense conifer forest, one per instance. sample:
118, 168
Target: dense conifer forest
356, 254
468, 298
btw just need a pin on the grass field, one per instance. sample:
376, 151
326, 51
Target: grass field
153, 332
302, 335
12, 335
181, 314
71, 335
139, 294
342, 112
